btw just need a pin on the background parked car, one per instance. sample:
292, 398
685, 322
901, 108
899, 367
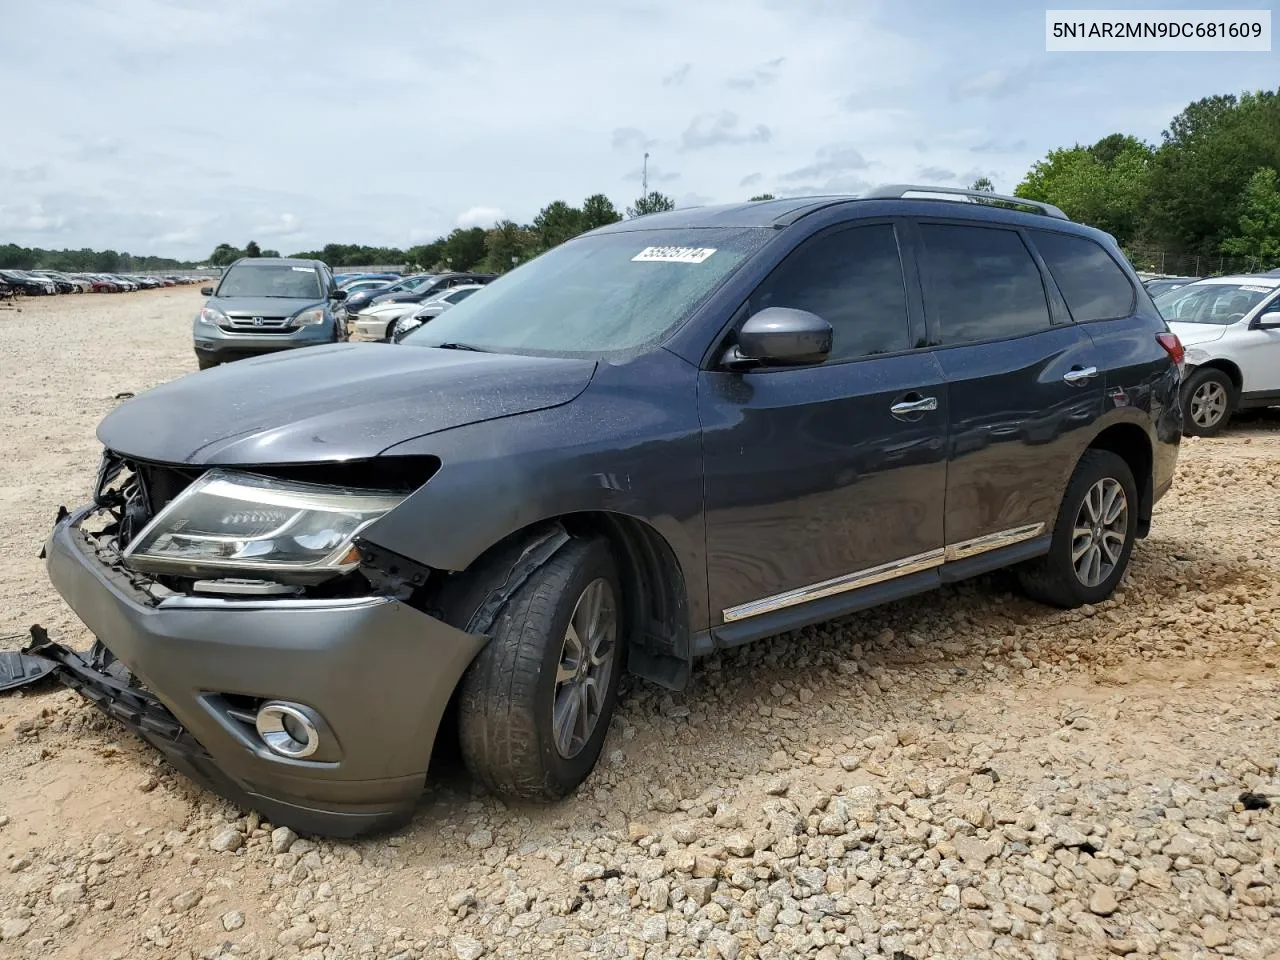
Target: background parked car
264, 305
1230, 327
406, 324
28, 284
358, 301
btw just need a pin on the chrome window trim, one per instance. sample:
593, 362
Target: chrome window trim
885, 571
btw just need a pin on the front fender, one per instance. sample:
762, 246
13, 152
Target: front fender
629, 445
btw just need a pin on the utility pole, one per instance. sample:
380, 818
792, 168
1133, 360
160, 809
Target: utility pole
644, 176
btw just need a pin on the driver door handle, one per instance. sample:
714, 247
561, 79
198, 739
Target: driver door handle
1080, 374
923, 405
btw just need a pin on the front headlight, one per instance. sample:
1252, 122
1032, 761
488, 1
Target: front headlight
213, 316
241, 523
310, 318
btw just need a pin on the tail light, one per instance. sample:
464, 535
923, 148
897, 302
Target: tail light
1172, 346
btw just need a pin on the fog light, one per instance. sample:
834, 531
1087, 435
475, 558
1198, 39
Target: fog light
287, 729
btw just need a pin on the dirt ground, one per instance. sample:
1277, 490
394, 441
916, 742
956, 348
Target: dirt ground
966, 774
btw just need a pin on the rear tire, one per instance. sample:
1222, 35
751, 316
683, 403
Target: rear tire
1092, 537
1208, 400
522, 690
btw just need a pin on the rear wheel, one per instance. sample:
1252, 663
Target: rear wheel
536, 703
1092, 537
1209, 399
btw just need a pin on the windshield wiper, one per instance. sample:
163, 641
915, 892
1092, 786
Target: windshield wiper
460, 346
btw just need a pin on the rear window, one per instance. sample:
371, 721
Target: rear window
983, 283
1093, 285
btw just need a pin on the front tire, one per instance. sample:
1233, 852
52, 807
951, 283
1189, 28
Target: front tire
1092, 537
204, 363
536, 703
1209, 400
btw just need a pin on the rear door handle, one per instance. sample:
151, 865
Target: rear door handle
923, 405
1080, 374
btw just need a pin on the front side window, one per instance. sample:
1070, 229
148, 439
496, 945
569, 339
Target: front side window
983, 283
270, 280
1220, 303
609, 295
1093, 285
852, 278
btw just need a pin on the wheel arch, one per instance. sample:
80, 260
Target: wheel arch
654, 591
1131, 443
1229, 367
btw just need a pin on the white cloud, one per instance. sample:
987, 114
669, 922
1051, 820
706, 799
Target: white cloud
478, 217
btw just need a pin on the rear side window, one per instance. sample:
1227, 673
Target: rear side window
852, 279
1093, 284
983, 283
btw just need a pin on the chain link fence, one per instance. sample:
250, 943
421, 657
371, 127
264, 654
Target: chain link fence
1195, 265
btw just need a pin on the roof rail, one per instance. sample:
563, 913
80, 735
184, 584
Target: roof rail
900, 191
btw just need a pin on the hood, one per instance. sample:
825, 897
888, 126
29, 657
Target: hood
262, 306
340, 402
1192, 333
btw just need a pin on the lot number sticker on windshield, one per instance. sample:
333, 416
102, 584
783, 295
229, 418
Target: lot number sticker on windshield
674, 254
301, 269
1253, 289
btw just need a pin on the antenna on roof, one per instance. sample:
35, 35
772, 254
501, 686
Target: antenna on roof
644, 176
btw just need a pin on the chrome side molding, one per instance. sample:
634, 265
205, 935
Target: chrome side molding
827, 588
992, 541
885, 571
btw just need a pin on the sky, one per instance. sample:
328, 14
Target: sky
168, 126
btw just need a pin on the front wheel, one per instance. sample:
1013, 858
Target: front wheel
204, 363
536, 703
1209, 399
1092, 537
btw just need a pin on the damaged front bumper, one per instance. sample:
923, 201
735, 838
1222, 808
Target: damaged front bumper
377, 672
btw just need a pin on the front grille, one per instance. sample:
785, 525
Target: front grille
258, 324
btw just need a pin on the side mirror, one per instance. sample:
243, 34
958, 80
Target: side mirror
1268, 321
782, 336
338, 295
206, 291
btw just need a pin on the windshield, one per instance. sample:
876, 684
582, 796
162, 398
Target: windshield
270, 280
1220, 303
607, 295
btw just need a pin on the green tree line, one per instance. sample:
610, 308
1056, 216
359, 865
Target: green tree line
14, 257
498, 248
1208, 188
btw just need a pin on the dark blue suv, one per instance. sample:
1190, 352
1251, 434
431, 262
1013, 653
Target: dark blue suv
671, 435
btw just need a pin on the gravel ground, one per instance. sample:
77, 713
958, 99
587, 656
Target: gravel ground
965, 774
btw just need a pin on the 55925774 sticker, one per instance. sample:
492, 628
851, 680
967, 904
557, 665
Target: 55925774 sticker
673, 254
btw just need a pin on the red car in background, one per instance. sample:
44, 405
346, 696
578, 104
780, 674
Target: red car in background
101, 285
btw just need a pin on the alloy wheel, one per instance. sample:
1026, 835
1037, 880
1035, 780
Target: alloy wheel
585, 668
1208, 404
1101, 528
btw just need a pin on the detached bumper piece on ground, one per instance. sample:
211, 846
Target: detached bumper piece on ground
19, 670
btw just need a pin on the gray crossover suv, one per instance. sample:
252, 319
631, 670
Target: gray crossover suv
262, 305
666, 437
